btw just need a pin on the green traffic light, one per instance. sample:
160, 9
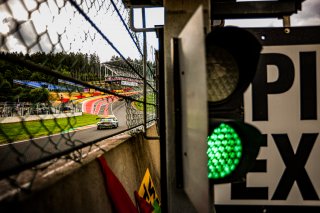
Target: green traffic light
224, 151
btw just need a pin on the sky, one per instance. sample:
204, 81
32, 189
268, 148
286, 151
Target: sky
54, 25
309, 15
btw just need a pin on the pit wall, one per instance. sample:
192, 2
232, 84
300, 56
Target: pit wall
75, 188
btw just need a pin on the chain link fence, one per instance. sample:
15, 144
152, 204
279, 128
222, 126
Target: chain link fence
64, 65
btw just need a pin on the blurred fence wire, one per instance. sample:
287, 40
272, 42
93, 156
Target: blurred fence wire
63, 66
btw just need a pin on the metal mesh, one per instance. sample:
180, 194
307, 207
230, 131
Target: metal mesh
63, 66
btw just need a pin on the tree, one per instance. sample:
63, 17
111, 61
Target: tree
5, 89
39, 95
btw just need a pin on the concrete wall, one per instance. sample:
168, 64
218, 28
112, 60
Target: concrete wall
73, 187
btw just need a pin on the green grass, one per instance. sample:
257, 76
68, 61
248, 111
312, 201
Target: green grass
150, 99
11, 132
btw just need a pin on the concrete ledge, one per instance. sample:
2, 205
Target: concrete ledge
76, 184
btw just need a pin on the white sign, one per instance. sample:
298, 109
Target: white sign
129, 83
284, 104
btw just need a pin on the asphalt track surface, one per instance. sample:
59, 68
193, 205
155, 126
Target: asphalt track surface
30, 152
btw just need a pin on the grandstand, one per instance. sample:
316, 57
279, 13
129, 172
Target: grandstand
39, 84
70, 83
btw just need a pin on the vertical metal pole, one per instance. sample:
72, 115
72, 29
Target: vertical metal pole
144, 70
144, 30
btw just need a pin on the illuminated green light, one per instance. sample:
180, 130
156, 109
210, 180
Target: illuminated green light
224, 151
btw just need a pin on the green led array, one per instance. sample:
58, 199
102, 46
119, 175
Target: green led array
224, 151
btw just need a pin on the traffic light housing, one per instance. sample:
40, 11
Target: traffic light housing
232, 55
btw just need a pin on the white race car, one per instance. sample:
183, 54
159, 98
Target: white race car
108, 122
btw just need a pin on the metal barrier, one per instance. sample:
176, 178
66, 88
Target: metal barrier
62, 58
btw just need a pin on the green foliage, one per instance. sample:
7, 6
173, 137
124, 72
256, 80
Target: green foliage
136, 64
37, 76
64, 71
39, 95
75, 65
150, 100
5, 88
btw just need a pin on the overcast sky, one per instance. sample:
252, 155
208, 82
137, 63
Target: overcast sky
309, 15
76, 34
53, 25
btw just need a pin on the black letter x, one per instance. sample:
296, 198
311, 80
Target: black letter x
295, 163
